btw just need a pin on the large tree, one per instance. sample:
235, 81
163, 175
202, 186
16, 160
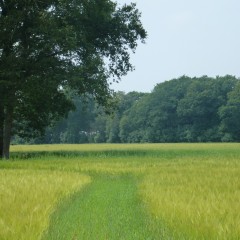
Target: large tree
47, 47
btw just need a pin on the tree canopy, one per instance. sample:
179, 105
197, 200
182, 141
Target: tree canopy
52, 46
185, 109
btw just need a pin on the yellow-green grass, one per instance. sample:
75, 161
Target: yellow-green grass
196, 200
191, 189
28, 197
154, 147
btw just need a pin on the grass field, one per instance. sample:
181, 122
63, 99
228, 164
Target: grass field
120, 191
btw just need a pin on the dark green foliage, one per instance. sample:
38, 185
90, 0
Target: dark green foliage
47, 47
230, 115
181, 110
163, 116
113, 124
89, 122
198, 110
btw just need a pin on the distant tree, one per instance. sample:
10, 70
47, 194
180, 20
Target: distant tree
132, 124
230, 115
76, 128
198, 110
163, 118
154, 117
99, 128
181, 110
49, 46
184, 110
123, 103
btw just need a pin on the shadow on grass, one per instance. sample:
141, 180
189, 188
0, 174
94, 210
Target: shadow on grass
83, 154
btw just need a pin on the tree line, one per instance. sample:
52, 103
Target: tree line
185, 109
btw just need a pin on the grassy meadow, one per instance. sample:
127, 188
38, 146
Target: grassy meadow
121, 191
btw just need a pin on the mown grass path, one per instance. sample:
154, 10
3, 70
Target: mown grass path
109, 208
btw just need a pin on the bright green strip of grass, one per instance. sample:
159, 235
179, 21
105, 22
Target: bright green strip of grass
109, 208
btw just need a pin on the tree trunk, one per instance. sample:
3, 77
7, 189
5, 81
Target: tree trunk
7, 132
1, 129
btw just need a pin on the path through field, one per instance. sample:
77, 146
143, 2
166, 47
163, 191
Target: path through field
109, 208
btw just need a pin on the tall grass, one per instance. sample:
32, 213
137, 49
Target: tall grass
197, 199
191, 191
28, 197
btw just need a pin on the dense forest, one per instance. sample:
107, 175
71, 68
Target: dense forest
185, 109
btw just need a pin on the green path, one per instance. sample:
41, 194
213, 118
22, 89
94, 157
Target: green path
108, 209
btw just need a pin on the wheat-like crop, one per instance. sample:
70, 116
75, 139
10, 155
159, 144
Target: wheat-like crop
28, 197
197, 200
